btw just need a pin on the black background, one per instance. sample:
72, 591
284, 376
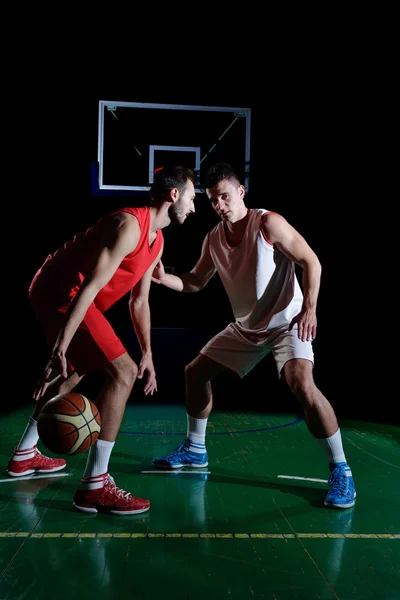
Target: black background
308, 162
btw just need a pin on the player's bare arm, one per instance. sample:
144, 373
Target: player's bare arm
195, 280
293, 245
140, 314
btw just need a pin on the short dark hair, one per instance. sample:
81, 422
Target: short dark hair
167, 178
218, 172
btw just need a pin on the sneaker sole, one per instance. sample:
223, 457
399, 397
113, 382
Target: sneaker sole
30, 471
92, 510
171, 467
349, 505
340, 505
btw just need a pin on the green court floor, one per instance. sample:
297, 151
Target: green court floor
250, 525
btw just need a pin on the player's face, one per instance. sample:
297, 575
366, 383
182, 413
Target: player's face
227, 200
181, 209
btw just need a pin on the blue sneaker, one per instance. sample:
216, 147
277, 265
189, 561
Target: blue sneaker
342, 493
184, 456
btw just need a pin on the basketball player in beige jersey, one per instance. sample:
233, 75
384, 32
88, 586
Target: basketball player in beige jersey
255, 252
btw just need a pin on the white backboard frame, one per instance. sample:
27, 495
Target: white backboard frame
110, 105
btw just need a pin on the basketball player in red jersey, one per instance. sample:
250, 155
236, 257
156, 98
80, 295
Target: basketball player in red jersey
254, 253
69, 295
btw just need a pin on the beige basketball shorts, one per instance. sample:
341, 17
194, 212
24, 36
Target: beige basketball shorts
241, 352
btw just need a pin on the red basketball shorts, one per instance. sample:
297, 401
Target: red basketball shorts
95, 343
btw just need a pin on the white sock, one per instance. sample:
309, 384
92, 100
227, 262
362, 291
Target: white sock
29, 439
196, 432
333, 447
97, 462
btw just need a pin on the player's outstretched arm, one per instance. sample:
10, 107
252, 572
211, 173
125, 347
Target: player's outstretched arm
195, 280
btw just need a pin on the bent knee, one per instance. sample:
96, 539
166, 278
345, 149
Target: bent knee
301, 386
298, 372
202, 369
192, 370
299, 377
124, 370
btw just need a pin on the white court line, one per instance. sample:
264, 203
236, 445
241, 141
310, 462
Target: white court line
30, 477
164, 471
303, 478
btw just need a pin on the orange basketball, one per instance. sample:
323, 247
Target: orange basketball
69, 424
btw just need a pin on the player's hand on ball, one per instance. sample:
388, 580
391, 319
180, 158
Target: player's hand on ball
56, 365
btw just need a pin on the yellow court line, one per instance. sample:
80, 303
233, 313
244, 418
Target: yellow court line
237, 536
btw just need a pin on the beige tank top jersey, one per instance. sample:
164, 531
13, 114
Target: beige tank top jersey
260, 281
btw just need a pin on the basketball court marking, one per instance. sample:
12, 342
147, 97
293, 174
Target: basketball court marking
30, 477
231, 536
302, 478
179, 471
299, 419
176, 472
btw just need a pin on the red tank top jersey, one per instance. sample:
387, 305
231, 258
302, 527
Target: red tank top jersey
59, 278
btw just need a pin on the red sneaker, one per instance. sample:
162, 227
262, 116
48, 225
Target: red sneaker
37, 463
109, 499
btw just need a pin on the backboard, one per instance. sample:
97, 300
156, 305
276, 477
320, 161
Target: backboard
136, 138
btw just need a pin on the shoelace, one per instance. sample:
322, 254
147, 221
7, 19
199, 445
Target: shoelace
338, 480
182, 446
38, 454
110, 483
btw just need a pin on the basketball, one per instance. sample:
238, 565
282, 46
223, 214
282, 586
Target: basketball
69, 424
